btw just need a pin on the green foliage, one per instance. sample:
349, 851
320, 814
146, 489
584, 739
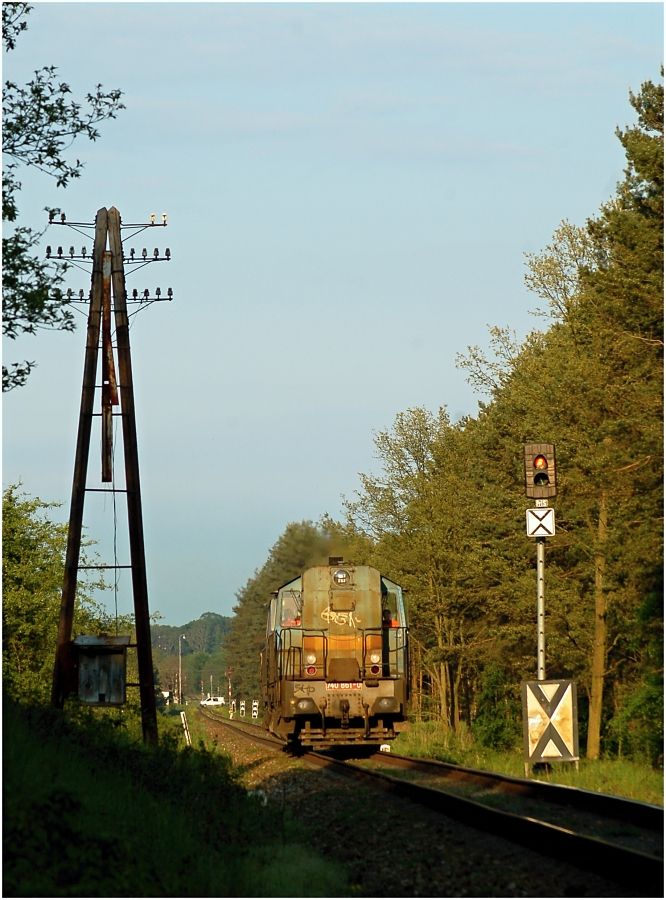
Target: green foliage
32, 574
497, 720
301, 545
40, 122
623, 777
202, 635
637, 729
445, 516
202, 656
90, 812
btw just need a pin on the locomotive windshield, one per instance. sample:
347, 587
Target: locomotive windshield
393, 610
290, 609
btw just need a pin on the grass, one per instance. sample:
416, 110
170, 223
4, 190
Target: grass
623, 777
88, 811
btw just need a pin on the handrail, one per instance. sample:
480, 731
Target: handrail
289, 651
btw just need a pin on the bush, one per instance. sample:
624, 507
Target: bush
637, 729
496, 723
89, 811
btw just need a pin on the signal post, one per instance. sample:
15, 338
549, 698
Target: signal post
550, 718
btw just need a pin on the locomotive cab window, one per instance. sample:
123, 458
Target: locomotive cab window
290, 609
393, 610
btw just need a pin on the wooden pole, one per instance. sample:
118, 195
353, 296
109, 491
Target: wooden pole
66, 620
134, 514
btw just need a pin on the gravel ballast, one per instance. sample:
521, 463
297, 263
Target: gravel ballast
391, 847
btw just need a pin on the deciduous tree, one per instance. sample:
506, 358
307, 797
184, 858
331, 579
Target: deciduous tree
40, 122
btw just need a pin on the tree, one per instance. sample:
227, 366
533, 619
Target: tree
32, 571
622, 307
593, 385
301, 545
40, 122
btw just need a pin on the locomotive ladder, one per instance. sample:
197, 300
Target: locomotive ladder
108, 274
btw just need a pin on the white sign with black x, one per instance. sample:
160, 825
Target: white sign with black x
540, 522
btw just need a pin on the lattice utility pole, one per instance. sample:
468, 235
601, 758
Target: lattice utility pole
108, 279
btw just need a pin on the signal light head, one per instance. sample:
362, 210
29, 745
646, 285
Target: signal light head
540, 466
540, 473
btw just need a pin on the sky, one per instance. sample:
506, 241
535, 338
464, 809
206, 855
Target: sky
351, 190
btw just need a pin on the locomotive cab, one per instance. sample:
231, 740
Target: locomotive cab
335, 667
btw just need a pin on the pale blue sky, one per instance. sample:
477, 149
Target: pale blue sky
351, 190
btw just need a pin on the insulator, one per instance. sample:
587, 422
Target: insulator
144, 253
59, 251
69, 293
156, 252
135, 293
83, 252
146, 294
63, 217
81, 294
132, 253
167, 253
158, 292
152, 218
170, 293
51, 215
164, 218
48, 252
71, 252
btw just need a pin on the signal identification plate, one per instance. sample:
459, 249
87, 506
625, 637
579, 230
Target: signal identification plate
344, 685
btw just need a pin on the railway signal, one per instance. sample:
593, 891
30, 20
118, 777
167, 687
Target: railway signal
550, 724
540, 471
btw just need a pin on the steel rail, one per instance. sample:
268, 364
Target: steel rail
610, 860
645, 815
614, 862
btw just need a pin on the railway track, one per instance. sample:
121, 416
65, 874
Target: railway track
621, 840
468, 781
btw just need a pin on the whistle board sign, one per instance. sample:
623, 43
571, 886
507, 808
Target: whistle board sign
550, 721
540, 522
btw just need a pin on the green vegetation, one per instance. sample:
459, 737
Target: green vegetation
33, 560
302, 545
40, 121
89, 811
623, 777
203, 659
445, 515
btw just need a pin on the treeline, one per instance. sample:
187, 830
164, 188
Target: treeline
33, 560
446, 515
195, 650
303, 544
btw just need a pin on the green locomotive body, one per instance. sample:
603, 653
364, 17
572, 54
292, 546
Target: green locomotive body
335, 668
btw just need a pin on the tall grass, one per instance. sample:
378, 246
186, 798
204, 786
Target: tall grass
89, 812
626, 778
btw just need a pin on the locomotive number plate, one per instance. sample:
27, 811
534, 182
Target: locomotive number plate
344, 685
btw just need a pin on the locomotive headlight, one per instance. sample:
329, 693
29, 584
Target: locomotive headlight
374, 657
311, 659
341, 576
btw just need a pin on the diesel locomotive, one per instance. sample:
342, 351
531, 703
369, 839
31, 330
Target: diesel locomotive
335, 667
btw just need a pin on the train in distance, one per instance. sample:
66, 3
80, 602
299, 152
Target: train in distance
335, 666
